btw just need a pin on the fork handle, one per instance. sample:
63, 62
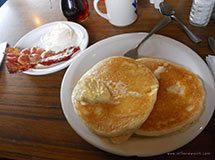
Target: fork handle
190, 34
211, 42
163, 22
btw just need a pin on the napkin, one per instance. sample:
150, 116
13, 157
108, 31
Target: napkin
211, 63
2, 49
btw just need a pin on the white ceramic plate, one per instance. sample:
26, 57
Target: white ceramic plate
156, 46
32, 39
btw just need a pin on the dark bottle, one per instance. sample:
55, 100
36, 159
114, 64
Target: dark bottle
75, 10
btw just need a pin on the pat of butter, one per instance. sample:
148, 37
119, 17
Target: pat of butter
177, 89
91, 90
159, 70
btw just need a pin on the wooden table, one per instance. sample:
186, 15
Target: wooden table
32, 124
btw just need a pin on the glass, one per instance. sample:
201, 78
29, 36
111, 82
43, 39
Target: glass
213, 13
201, 11
75, 10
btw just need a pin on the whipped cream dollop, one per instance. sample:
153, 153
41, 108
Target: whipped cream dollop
59, 37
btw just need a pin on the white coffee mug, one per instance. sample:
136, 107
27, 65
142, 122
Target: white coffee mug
119, 12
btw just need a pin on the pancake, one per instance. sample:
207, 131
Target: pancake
115, 96
180, 98
122, 138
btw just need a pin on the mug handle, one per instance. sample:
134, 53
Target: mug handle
95, 4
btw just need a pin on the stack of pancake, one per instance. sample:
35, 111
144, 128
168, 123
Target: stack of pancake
119, 97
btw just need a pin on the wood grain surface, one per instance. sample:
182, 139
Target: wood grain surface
32, 124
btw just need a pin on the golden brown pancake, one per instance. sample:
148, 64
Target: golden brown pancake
115, 96
180, 98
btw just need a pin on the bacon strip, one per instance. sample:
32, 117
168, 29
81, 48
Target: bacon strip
22, 60
63, 56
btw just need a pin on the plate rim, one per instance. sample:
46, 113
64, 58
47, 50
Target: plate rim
49, 70
116, 152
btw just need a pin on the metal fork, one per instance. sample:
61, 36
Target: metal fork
133, 53
211, 42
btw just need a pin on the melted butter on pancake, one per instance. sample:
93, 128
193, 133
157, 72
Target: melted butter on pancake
176, 88
159, 70
120, 89
91, 90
